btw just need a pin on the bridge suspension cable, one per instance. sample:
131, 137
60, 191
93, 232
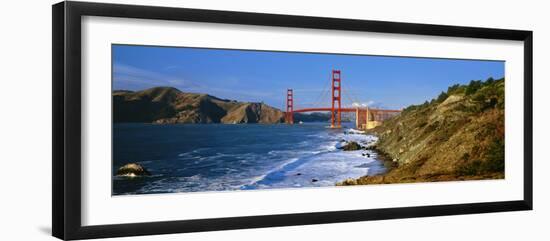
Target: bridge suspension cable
321, 97
336, 109
347, 97
354, 96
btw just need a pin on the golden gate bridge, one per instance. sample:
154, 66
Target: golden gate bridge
365, 117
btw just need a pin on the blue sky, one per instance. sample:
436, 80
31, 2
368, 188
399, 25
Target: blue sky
388, 82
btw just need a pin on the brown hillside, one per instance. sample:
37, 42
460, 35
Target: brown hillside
458, 136
166, 105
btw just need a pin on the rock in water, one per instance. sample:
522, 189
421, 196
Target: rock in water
352, 146
348, 182
132, 169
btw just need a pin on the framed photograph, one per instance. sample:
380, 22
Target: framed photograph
169, 120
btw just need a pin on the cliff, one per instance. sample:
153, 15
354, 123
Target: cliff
456, 136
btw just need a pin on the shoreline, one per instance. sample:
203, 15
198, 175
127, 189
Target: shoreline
381, 156
396, 173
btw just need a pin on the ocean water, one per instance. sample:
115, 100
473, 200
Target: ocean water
221, 157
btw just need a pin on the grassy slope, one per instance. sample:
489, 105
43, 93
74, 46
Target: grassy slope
458, 136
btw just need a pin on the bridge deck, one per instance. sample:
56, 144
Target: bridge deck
346, 110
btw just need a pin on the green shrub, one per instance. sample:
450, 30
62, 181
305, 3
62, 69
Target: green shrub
495, 157
442, 97
469, 168
473, 87
454, 89
494, 161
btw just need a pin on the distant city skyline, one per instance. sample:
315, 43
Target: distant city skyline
264, 76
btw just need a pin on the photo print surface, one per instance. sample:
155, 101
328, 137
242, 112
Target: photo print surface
200, 119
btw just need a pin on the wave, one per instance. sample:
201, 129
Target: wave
323, 167
315, 161
259, 178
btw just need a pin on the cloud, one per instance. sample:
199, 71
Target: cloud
364, 104
130, 76
133, 78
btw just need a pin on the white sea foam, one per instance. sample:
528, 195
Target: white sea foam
317, 161
325, 168
256, 179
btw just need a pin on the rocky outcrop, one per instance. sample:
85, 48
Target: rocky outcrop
352, 146
132, 170
253, 113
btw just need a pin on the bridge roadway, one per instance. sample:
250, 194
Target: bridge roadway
345, 110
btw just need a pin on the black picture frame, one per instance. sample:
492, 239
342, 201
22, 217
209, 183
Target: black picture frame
66, 159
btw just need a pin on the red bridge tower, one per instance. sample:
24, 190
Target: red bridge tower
336, 94
289, 107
